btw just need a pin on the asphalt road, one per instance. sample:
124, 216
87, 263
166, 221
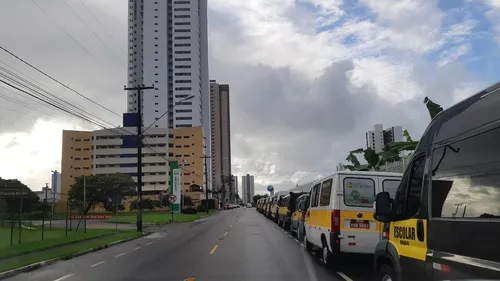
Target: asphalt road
231, 245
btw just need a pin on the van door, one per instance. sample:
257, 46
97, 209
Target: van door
357, 225
387, 184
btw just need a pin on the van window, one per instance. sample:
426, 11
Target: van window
408, 196
359, 192
390, 186
326, 189
315, 196
466, 180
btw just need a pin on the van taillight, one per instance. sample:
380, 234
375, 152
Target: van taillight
336, 221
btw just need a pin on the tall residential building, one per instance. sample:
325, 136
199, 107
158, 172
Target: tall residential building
221, 137
55, 184
247, 188
76, 158
379, 138
168, 47
236, 185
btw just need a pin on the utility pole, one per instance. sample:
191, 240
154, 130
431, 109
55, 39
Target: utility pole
139, 151
205, 157
44, 205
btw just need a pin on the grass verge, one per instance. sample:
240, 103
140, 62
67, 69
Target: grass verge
160, 218
66, 252
31, 240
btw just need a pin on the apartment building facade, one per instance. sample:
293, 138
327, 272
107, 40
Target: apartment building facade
378, 138
221, 138
247, 188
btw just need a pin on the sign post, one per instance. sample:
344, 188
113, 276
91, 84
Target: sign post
175, 186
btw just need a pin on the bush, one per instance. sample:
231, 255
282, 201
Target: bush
201, 209
189, 211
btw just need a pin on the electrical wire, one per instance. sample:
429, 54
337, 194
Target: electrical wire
95, 34
57, 81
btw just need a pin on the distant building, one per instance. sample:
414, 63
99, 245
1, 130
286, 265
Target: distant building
378, 138
221, 137
248, 188
236, 186
55, 185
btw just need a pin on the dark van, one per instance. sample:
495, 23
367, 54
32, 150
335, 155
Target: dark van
444, 220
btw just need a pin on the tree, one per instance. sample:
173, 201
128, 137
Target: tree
432, 107
229, 180
99, 189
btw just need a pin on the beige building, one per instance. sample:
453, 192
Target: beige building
221, 138
76, 158
186, 145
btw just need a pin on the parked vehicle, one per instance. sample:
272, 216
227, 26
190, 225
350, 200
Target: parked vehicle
443, 222
287, 206
340, 216
299, 216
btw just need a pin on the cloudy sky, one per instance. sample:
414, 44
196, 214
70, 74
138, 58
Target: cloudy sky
307, 77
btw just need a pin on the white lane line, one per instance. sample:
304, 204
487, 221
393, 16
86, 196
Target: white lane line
136, 248
231, 225
96, 264
296, 241
64, 277
119, 255
149, 243
225, 233
346, 278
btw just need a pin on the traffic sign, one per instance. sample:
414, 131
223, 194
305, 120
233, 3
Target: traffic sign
172, 198
14, 193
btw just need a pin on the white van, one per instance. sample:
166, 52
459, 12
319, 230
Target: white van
340, 216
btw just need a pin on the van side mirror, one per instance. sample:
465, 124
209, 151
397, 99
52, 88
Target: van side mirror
382, 208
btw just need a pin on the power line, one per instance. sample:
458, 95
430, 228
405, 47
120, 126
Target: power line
168, 110
57, 81
69, 34
99, 22
95, 34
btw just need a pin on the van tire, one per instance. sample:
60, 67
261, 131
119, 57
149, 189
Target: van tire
307, 245
326, 255
300, 233
386, 273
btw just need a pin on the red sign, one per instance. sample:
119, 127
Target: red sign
93, 217
360, 224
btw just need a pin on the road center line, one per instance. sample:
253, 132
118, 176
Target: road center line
213, 249
119, 255
96, 264
64, 277
149, 243
231, 225
225, 233
346, 278
136, 248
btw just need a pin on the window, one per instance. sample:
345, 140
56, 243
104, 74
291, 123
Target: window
182, 9
181, 2
466, 182
183, 89
315, 195
182, 37
184, 118
183, 52
359, 192
407, 198
183, 110
183, 45
390, 186
182, 59
183, 66
182, 30
326, 189
182, 81
182, 23
182, 16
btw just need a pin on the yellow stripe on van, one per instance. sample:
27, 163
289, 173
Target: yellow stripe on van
320, 218
283, 210
350, 215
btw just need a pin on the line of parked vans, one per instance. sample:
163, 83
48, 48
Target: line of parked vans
439, 220
336, 216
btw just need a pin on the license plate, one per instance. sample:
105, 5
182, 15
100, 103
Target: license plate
364, 225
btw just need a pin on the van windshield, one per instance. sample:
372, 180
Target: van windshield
359, 192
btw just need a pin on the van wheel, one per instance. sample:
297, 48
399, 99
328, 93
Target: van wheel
300, 234
327, 256
307, 245
386, 273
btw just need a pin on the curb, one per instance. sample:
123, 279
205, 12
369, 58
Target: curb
37, 265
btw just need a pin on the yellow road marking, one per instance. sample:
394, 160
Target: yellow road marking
189, 279
213, 249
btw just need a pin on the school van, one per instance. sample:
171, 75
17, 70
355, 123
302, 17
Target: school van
298, 216
340, 216
444, 222
286, 207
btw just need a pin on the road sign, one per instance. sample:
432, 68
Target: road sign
172, 198
14, 193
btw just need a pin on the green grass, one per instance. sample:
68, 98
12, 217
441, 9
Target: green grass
159, 218
65, 251
31, 240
